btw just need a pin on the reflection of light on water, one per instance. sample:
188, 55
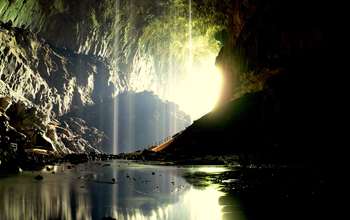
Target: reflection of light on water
67, 195
43, 200
194, 204
212, 169
135, 214
83, 205
206, 204
197, 204
191, 203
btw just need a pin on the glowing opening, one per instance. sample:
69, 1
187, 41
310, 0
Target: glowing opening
200, 92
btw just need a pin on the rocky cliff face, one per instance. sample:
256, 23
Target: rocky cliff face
104, 28
55, 81
47, 94
39, 84
87, 27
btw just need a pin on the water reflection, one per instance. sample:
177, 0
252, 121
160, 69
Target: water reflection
23, 198
92, 191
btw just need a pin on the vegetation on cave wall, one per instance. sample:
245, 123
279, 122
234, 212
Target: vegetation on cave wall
117, 29
183, 30
180, 36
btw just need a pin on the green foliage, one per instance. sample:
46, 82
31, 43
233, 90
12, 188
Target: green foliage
183, 32
94, 19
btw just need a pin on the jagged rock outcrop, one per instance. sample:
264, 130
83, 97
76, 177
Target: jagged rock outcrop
27, 126
38, 84
24, 124
56, 82
77, 136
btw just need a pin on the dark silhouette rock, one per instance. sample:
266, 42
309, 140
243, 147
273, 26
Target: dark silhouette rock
38, 177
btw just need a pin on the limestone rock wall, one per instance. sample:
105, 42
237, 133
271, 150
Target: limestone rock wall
39, 84
55, 81
23, 123
60, 22
77, 136
105, 28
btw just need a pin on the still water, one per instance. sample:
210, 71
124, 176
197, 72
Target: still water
116, 188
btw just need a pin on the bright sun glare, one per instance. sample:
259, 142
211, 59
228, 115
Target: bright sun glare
201, 91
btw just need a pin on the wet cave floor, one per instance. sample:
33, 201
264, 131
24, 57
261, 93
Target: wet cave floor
266, 193
241, 193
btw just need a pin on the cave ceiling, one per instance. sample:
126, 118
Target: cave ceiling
158, 38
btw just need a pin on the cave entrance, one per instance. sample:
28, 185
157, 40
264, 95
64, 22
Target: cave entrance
199, 92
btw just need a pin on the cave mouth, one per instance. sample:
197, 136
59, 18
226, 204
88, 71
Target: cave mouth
199, 90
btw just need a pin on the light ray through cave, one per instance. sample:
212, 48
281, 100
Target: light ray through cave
187, 84
116, 99
115, 124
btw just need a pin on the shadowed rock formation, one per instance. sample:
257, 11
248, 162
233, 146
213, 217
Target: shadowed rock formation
278, 101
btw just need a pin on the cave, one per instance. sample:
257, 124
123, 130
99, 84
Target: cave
257, 80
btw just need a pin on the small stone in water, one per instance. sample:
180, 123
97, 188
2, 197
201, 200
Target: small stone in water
38, 177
